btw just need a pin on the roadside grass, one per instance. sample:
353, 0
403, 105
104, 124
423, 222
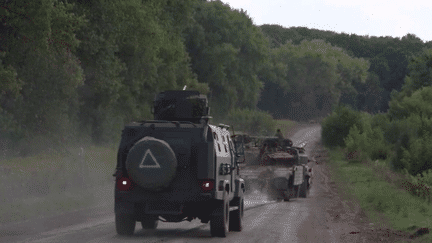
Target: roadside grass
53, 182
377, 197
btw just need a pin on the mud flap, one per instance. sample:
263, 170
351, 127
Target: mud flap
239, 187
298, 175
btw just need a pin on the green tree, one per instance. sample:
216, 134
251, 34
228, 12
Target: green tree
416, 158
419, 103
227, 52
130, 50
410, 138
366, 142
367, 96
10, 86
420, 72
312, 76
40, 64
337, 126
388, 56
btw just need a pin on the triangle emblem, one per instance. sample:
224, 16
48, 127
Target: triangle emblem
149, 161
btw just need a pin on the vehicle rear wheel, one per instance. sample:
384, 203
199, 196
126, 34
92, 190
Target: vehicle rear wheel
309, 182
219, 222
287, 195
295, 192
303, 189
149, 223
236, 216
125, 224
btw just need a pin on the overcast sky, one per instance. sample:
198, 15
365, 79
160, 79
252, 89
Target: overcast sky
393, 18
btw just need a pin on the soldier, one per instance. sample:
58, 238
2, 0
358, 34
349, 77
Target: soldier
280, 137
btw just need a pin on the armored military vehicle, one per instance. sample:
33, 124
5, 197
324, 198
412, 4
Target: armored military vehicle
275, 167
178, 167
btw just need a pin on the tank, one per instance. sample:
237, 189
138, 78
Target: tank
275, 167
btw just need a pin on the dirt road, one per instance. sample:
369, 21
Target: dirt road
324, 216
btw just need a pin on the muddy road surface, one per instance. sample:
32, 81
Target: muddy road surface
324, 216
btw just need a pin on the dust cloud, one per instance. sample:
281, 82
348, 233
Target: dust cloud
255, 193
72, 182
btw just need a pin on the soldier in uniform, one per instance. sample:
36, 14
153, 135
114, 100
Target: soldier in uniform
280, 137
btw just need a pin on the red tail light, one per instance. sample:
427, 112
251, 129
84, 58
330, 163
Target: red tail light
206, 185
124, 183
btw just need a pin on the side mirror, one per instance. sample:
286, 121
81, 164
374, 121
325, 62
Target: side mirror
239, 159
239, 148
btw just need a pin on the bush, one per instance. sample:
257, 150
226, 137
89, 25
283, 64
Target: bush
397, 129
380, 120
250, 121
366, 143
337, 126
416, 158
419, 185
356, 143
419, 103
426, 177
406, 135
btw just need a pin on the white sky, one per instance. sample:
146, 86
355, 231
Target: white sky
393, 18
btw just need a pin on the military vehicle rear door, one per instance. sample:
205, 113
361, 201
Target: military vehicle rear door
233, 159
227, 153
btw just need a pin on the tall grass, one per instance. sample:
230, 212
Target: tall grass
378, 197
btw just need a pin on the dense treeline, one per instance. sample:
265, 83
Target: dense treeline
74, 69
71, 68
227, 52
306, 80
81, 69
402, 136
388, 58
